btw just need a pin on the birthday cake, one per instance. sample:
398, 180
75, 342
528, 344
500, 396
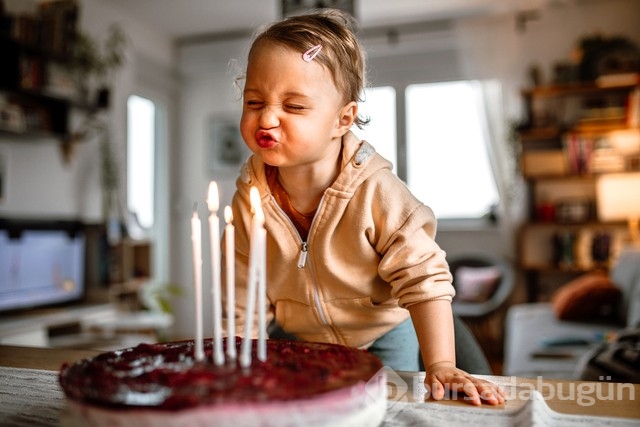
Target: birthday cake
300, 383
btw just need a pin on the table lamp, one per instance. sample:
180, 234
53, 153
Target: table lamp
618, 199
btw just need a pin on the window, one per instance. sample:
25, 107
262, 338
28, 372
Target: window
447, 159
141, 119
380, 107
448, 165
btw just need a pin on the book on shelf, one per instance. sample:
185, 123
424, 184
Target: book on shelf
24, 29
578, 150
58, 28
30, 73
50, 28
607, 160
595, 154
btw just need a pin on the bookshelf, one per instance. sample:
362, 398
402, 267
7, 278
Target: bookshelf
38, 90
574, 133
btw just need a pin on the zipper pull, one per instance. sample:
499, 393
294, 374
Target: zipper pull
302, 259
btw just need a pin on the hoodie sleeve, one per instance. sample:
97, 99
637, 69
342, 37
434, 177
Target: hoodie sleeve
412, 262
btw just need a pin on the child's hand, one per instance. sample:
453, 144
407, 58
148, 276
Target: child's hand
443, 376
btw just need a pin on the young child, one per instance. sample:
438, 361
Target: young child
351, 256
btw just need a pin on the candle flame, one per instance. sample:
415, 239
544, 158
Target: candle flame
213, 201
228, 214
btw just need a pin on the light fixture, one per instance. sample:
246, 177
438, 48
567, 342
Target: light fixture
618, 199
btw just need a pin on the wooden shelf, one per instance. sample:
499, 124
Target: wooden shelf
30, 135
588, 177
574, 89
533, 137
540, 134
39, 90
557, 163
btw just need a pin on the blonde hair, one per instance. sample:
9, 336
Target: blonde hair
341, 53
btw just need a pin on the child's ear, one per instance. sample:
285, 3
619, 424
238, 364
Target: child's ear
348, 115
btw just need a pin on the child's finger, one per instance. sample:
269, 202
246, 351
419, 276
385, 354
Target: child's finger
490, 393
471, 391
434, 387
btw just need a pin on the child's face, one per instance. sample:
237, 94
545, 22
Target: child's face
293, 114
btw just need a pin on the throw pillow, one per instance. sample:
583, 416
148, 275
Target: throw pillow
590, 296
476, 284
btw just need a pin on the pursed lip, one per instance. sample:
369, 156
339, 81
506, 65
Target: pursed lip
265, 139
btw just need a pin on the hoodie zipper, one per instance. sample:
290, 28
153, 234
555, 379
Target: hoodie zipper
302, 258
302, 262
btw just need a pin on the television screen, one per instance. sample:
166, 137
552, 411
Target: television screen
41, 263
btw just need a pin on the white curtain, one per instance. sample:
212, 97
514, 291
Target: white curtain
502, 154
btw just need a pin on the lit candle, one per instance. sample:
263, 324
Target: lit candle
230, 247
196, 243
252, 279
214, 233
262, 286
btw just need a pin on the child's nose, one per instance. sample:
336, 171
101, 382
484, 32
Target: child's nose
269, 117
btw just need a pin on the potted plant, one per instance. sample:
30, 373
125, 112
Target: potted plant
94, 63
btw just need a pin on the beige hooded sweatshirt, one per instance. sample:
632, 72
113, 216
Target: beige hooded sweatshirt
370, 254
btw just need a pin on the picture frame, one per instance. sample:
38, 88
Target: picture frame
226, 150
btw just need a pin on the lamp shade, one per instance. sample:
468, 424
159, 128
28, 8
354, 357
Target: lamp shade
618, 196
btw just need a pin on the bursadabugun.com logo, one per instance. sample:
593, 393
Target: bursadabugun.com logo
400, 393
584, 393
389, 383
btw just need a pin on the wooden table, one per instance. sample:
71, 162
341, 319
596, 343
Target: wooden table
622, 401
49, 359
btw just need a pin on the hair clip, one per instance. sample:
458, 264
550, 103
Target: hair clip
312, 53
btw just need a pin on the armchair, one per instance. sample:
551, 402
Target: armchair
490, 272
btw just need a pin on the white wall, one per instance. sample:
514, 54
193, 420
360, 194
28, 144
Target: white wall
208, 92
39, 184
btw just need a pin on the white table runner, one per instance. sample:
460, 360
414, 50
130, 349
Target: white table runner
30, 397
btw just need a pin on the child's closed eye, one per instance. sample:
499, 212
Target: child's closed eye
254, 104
294, 107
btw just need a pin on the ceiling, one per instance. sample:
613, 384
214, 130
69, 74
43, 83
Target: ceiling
187, 19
